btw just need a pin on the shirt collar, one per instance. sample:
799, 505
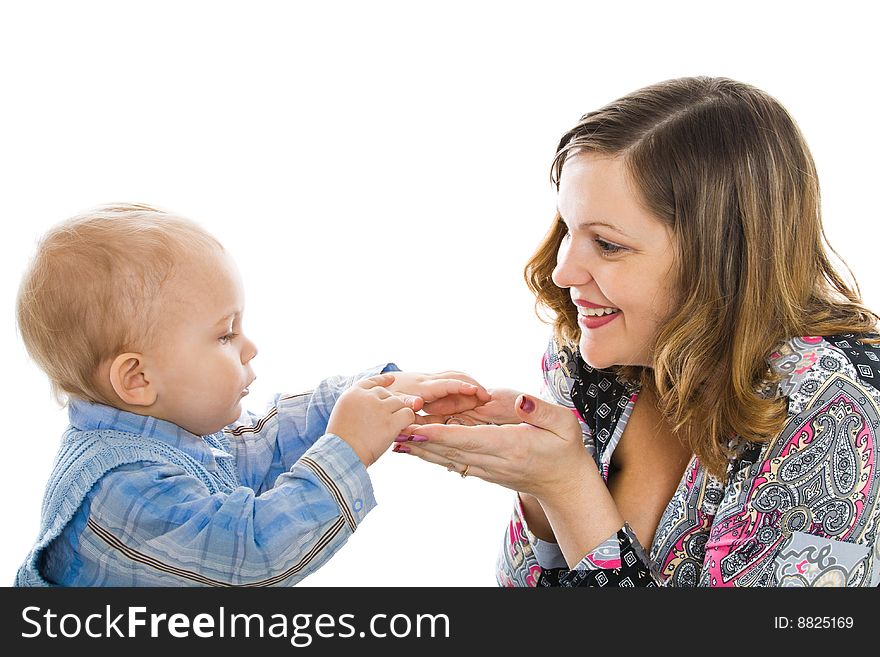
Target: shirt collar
89, 416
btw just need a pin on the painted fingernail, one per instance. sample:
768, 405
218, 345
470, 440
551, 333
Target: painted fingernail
527, 405
402, 438
416, 438
400, 448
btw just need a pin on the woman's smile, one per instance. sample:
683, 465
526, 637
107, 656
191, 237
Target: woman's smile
592, 315
595, 321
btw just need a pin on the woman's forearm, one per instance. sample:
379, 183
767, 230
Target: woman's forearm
581, 517
535, 518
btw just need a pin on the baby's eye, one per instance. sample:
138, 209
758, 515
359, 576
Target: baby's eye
226, 339
608, 248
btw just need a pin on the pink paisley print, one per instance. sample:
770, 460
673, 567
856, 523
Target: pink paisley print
678, 551
741, 531
808, 361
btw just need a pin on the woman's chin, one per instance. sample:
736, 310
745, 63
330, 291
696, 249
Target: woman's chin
602, 359
596, 358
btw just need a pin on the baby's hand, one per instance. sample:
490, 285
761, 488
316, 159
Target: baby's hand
369, 418
444, 392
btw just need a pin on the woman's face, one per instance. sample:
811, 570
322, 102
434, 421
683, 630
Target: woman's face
617, 261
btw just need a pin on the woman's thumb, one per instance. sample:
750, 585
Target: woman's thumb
544, 415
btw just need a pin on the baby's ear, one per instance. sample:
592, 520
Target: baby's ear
129, 380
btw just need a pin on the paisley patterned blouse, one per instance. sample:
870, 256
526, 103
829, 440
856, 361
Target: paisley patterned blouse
800, 510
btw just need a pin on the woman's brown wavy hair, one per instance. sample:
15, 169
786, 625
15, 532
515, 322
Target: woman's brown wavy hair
726, 167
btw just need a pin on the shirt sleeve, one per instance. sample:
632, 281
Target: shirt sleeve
523, 555
267, 446
303, 493
618, 561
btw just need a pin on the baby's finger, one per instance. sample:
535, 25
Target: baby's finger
408, 432
402, 418
412, 401
395, 401
440, 388
378, 380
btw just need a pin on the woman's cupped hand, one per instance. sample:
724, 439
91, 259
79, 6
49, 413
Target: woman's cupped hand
516, 440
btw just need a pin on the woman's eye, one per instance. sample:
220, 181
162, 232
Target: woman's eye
608, 248
226, 339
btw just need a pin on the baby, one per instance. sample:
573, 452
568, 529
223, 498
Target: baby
136, 317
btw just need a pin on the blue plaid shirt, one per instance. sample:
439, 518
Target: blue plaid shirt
276, 498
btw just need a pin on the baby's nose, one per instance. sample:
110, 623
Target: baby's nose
248, 352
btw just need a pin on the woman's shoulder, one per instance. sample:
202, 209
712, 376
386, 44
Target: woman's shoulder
814, 487
862, 352
808, 363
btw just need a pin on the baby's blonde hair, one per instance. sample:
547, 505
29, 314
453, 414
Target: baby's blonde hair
91, 291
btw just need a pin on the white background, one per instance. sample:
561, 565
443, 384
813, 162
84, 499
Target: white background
380, 170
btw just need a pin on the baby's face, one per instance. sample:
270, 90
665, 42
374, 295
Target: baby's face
200, 364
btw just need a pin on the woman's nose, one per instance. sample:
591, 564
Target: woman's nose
571, 268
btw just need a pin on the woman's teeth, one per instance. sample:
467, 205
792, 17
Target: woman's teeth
597, 312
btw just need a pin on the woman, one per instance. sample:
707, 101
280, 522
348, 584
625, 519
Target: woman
685, 265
